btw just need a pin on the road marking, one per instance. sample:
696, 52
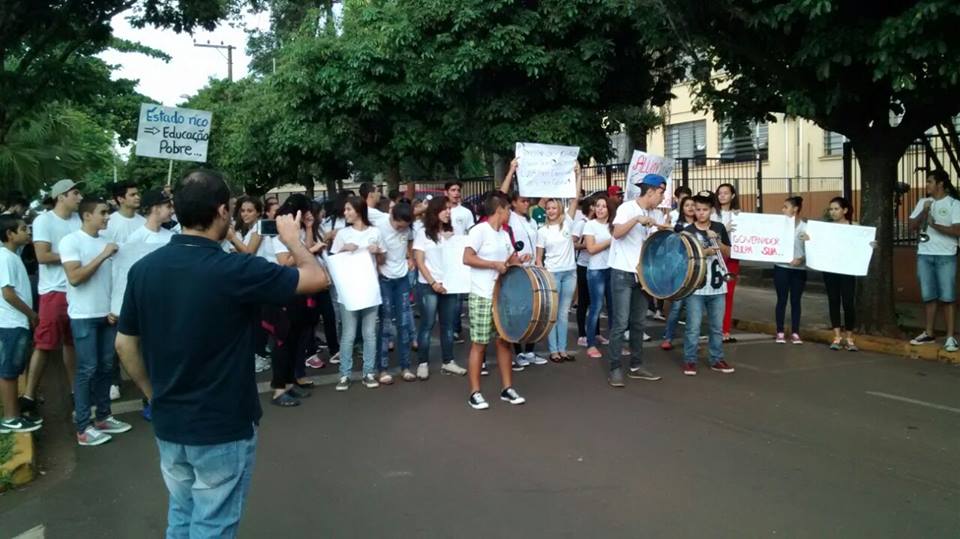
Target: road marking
33, 533
914, 401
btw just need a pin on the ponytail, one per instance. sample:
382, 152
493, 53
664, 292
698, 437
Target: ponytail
796, 202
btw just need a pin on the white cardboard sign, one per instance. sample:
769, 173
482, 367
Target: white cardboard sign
355, 276
643, 163
545, 170
456, 274
762, 237
173, 133
836, 248
127, 255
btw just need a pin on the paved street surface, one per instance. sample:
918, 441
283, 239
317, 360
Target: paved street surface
799, 442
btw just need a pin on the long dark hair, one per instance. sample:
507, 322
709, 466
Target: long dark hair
682, 216
734, 200
845, 206
299, 203
432, 225
612, 205
243, 228
360, 207
335, 208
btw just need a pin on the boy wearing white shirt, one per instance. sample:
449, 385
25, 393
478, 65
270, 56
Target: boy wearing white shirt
395, 289
16, 319
126, 220
488, 253
371, 196
634, 221
159, 210
87, 264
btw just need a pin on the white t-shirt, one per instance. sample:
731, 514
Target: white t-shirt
945, 212
91, 299
361, 238
674, 216
397, 242
461, 219
583, 256
119, 228
145, 235
625, 251
557, 244
798, 249
376, 216
491, 245
524, 230
266, 248
601, 233
50, 228
432, 253
13, 273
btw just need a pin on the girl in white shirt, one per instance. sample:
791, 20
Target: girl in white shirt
790, 279
728, 205
597, 235
555, 252
359, 235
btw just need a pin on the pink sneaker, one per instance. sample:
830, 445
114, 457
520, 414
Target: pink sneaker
594, 353
314, 362
795, 339
582, 341
666, 345
781, 339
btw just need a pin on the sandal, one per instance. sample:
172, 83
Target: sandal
298, 393
305, 385
835, 345
729, 339
851, 347
556, 358
565, 357
284, 401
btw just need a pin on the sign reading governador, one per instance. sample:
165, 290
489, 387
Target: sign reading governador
173, 133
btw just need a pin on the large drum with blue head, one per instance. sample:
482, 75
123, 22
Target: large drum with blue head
672, 265
525, 304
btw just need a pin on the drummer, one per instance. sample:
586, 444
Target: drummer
488, 253
634, 221
709, 299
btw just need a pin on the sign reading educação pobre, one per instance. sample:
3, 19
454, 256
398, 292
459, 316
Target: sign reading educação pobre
173, 133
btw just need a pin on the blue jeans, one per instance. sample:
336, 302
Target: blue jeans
598, 281
938, 278
713, 306
433, 304
208, 486
94, 341
566, 283
673, 318
395, 295
367, 320
629, 312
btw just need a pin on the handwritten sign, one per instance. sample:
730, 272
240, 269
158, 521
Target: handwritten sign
173, 133
127, 255
762, 237
456, 274
545, 170
348, 269
643, 163
844, 249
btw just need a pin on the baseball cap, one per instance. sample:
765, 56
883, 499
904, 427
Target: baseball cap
614, 191
63, 186
655, 180
153, 197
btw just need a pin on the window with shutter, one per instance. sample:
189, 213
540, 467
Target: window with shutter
686, 140
744, 141
832, 143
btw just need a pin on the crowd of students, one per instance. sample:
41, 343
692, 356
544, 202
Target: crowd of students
590, 246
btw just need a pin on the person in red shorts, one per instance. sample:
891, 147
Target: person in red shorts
53, 330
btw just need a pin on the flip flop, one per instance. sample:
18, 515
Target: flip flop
285, 400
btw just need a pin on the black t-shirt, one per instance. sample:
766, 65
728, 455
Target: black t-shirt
194, 308
702, 234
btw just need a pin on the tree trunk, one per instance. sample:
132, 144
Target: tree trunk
331, 183
393, 176
500, 164
876, 311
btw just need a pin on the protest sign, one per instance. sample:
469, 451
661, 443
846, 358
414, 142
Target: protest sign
173, 133
762, 237
349, 269
544, 170
835, 248
456, 274
127, 255
643, 163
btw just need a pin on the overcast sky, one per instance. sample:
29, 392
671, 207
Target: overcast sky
190, 67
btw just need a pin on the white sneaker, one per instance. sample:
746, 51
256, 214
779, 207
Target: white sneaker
343, 384
423, 371
335, 359
453, 368
510, 395
951, 345
626, 335
385, 378
477, 402
111, 425
522, 360
647, 338
536, 359
408, 375
114, 392
92, 436
582, 341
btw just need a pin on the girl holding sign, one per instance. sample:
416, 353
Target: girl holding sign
728, 205
555, 252
790, 279
597, 235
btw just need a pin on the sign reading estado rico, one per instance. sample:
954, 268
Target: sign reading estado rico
173, 133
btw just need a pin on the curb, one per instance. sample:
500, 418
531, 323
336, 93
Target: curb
871, 343
21, 465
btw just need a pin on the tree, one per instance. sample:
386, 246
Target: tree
844, 65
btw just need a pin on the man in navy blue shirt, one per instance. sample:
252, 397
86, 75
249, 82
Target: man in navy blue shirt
186, 337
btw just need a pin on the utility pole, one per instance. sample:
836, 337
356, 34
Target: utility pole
229, 54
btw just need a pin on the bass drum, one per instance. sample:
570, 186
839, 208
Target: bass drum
525, 304
672, 265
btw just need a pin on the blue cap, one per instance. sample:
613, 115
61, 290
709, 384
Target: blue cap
655, 180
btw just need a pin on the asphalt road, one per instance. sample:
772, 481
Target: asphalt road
799, 442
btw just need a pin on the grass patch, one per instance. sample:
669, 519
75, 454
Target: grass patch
6, 453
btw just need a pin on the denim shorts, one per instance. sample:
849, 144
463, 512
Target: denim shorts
13, 352
938, 277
